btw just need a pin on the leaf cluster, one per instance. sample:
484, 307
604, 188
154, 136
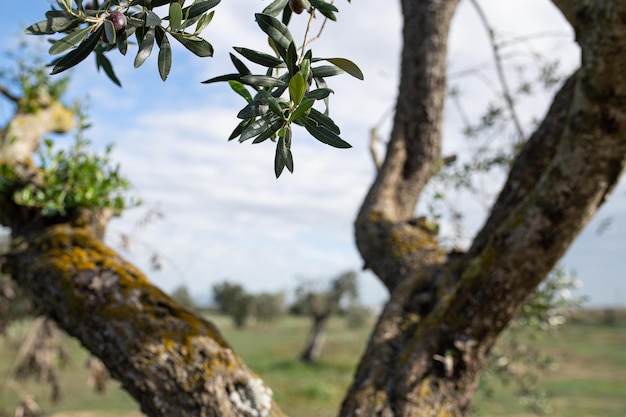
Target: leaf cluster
283, 95
87, 30
72, 179
276, 99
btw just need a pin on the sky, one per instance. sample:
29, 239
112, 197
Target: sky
226, 216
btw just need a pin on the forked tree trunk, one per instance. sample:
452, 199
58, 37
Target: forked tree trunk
315, 341
455, 306
441, 306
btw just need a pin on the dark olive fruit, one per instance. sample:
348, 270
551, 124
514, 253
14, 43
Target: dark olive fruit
119, 23
296, 6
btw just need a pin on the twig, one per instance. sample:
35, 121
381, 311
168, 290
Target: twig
319, 33
500, 70
7, 94
306, 32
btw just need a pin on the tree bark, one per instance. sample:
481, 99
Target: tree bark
445, 314
315, 341
173, 362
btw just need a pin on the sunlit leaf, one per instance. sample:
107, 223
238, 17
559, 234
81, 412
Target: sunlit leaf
297, 88
204, 21
275, 7
199, 7
176, 15
145, 48
240, 89
347, 65
302, 109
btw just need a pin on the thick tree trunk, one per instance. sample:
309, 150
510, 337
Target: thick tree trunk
445, 313
315, 341
173, 362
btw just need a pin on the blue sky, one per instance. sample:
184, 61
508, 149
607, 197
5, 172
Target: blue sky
227, 217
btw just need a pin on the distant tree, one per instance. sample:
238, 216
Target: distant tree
232, 300
268, 306
357, 316
181, 295
320, 306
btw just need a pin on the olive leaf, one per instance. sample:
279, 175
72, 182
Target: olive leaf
77, 55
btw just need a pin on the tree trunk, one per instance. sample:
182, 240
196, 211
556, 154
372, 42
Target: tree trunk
446, 312
315, 341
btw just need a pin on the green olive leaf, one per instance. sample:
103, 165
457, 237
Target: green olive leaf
69, 41
346, 65
175, 15
145, 47
165, 55
260, 58
77, 55
297, 88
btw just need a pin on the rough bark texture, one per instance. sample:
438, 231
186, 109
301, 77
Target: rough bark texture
172, 362
445, 312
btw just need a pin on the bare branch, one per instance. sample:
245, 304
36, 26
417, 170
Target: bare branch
7, 94
374, 138
506, 91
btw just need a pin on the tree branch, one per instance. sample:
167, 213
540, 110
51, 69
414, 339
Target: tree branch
506, 91
172, 362
413, 150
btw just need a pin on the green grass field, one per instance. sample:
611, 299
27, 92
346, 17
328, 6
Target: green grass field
589, 381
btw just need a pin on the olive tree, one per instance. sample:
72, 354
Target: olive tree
441, 305
320, 306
